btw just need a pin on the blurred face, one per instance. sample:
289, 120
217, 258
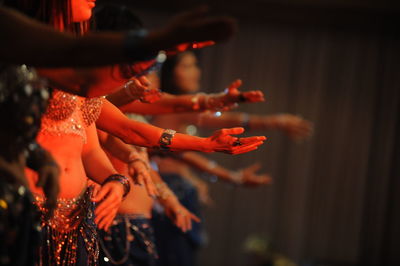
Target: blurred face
187, 74
82, 9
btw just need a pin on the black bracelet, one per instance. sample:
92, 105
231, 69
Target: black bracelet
166, 139
121, 179
242, 98
132, 44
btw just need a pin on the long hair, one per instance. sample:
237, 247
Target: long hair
167, 76
57, 13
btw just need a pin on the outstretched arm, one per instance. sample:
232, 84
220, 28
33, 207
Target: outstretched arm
48, 47
179, 215
245, 176
113, 121
293, 126
199, 102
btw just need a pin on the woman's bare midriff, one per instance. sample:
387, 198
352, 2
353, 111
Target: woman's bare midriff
67, 151
137, 201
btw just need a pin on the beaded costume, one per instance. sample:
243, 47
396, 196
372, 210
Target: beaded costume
23, 98
72, 222
70, 114
70, 236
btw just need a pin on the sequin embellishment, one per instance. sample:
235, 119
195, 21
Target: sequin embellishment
72, 218
70, 114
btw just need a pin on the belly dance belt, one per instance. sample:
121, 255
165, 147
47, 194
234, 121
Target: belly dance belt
130, 241
62, 234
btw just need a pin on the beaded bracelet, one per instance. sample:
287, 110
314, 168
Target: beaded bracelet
121, 179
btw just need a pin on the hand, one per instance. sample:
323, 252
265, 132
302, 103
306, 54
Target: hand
294, 126
230, 99
181, 216
250, 178
139, 89
235, 96
109, 198
189, 46
196, 26
139, 171
48, 179
222, 141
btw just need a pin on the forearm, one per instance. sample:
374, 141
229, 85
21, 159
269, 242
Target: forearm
97, 165
205, 165
234, 119
166, 197
169, 103
116, 147
113, 121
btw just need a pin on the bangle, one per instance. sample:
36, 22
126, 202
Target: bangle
122, 180
166, 139
146, 164
242, 98
163, 190
132, 45
236, 177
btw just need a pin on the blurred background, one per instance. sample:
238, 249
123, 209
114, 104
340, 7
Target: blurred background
336, 197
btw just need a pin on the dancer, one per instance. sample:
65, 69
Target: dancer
23, 98
67, 125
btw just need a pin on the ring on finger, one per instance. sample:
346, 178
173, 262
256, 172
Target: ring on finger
237, 142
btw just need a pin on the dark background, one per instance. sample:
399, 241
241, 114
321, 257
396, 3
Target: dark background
336, 197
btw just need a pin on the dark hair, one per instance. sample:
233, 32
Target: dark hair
112, 17
51, 12
167, 73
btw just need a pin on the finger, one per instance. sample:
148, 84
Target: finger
244, 149
139, 178
245, 146
104, 221
233, 88
232, 131
188, 221
250, 140
138, 87
194, 218
105, 211
101, 194
150, 187
144, 81
200, 45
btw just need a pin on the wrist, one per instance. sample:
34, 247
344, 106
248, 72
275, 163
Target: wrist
123, 180
237, 177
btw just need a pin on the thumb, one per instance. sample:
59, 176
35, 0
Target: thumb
233, 88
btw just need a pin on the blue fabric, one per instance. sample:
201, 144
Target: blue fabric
141, 249
176, 248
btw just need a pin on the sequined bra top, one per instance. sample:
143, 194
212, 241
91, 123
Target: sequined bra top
70, 114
